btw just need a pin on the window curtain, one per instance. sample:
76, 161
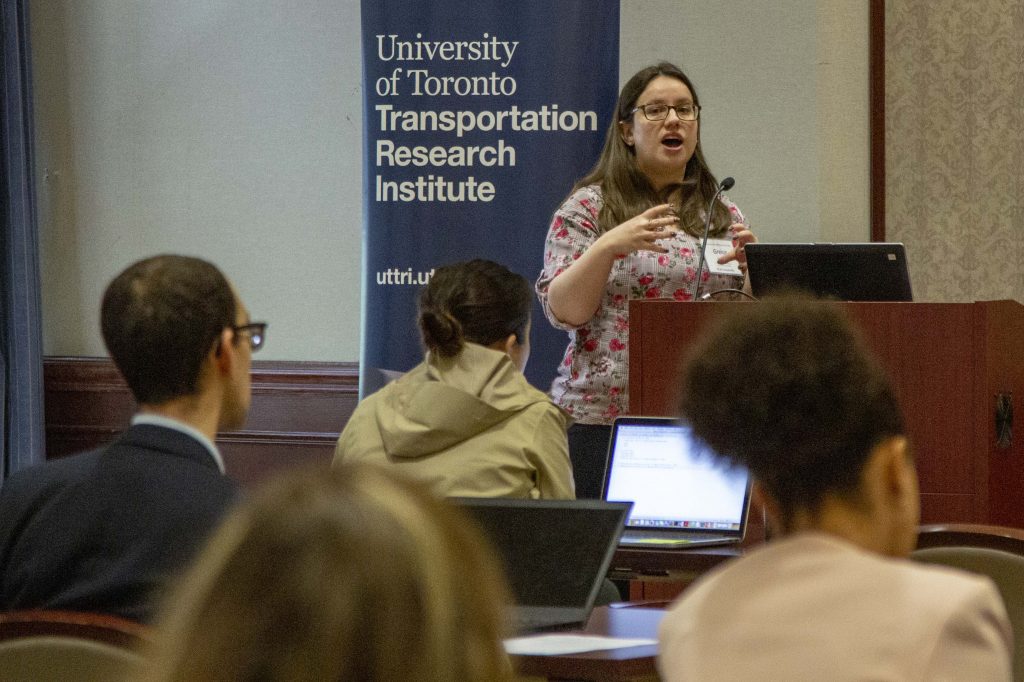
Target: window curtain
21, 353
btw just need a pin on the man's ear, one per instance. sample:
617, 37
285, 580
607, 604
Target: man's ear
224, 351
626, 132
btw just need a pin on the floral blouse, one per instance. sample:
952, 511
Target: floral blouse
593, 376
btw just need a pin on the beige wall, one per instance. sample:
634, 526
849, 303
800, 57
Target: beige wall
784, 89
226, 129
232, 130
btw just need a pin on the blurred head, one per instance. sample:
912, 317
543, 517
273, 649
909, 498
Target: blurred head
164, 318
478, 301
643, 161
341, 574
787, 389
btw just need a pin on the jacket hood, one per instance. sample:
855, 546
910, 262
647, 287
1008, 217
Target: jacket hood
445, 401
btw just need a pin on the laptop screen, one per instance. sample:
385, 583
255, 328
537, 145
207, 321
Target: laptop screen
554, 552
674, 482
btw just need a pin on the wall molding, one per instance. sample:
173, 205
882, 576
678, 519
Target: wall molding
298, 409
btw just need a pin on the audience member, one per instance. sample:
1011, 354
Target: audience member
347, 574
787, 389
465, 420
101, 531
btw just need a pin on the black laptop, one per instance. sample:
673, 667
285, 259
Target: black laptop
874, 271
682, 494
555, 553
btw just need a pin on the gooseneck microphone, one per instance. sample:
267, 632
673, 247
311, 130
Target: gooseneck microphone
726, 184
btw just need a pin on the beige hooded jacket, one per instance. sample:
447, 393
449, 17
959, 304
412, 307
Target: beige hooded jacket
470, 426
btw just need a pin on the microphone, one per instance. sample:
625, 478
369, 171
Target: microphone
726, 184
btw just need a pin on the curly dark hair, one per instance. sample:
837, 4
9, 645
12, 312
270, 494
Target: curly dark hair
788, 389
478, 301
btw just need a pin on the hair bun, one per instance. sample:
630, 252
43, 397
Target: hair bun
442, 333
477, 301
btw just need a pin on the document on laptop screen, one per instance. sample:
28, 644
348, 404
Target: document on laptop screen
673, 481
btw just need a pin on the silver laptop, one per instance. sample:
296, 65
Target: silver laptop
875, 271
682, 495
555, 553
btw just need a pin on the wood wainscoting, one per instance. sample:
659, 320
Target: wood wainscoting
298, 409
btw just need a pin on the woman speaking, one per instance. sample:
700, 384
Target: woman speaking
630, 229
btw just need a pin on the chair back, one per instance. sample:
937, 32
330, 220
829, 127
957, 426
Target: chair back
993, 551
45, 646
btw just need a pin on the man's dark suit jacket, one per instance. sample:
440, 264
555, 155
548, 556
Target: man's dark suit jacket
104, 531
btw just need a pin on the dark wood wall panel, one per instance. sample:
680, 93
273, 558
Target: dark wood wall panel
298, 409
947, 362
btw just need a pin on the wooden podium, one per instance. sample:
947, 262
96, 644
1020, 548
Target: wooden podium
952, 365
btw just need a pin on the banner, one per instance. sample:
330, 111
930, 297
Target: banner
478, 118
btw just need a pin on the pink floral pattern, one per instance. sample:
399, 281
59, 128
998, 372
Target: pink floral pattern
593, 377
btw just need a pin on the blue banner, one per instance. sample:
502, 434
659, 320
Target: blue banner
479, 116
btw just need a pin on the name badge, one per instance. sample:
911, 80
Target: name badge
716, 249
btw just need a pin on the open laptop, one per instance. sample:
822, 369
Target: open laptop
555, 553
845, 272
682, 495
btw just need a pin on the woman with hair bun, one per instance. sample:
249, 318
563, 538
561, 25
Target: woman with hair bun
465, 420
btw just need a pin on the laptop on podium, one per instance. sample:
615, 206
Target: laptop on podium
556, 554
682, 495
875, 271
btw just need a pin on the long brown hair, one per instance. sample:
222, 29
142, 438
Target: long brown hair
344, 574
627, 191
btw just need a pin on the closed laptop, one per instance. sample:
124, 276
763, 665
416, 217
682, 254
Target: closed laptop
875, 271
556, 554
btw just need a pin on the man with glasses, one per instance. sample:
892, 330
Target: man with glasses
103, 531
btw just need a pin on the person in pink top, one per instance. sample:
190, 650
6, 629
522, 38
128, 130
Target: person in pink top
630, 229
788, 390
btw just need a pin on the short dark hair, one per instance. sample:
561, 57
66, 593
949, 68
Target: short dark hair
160, 318
788, 389
478, 301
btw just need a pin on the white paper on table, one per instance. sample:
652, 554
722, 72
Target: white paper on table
553, 645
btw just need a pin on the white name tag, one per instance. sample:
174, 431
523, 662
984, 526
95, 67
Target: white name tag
716, 249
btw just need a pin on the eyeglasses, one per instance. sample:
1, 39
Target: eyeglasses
659, 112
256, 331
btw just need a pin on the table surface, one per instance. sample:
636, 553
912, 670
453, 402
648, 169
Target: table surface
631, 663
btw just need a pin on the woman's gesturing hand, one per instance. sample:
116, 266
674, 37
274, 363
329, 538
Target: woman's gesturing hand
642, 232
741, 236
